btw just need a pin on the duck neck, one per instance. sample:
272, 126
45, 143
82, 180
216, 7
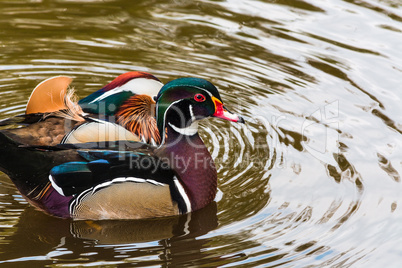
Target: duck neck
193, 163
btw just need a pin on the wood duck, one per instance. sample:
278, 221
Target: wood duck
127, 101
126, 179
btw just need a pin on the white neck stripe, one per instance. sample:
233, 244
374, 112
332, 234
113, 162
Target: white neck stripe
191, 113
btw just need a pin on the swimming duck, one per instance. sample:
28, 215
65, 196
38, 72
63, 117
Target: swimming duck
127, 101
140, 181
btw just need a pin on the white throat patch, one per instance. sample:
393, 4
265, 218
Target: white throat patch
188, 131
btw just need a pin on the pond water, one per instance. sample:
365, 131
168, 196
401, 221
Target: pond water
314, 177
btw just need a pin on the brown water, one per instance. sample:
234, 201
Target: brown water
314, 177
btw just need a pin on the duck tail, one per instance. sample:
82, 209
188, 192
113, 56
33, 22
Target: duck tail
26, 167
29, 168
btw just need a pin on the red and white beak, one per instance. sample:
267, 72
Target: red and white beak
222, 112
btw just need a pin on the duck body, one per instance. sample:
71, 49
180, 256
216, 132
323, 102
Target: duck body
125, 179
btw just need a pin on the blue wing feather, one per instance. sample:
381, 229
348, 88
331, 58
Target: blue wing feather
105, 165
71, 177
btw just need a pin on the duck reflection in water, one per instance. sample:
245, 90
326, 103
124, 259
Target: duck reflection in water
72, 239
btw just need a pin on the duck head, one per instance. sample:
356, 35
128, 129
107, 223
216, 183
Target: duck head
181, 103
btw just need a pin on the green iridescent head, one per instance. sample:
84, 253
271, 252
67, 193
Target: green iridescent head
183, 101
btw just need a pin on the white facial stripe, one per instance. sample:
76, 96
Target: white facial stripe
164, 120
139, 86
203, 89
209, 93
188, 131
191, 113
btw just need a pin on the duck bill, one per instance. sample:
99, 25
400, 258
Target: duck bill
222, 112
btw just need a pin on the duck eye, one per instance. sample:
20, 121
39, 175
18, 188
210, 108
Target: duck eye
199, 97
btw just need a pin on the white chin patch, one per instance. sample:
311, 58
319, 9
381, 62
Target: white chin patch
188, 131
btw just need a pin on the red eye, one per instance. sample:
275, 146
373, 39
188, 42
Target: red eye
199, 97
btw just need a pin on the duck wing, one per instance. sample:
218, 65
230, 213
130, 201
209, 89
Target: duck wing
120, 184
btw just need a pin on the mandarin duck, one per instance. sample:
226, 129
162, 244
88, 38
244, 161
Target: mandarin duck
129, 101
126, 179
125, 103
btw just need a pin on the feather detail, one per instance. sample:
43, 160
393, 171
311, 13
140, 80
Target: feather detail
48, 95
72, 111
137, 114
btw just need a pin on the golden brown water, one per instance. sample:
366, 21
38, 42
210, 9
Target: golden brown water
313, 178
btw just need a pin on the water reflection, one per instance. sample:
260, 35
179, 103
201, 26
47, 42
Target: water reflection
45, 234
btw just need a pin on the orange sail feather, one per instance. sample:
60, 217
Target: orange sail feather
49, 95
